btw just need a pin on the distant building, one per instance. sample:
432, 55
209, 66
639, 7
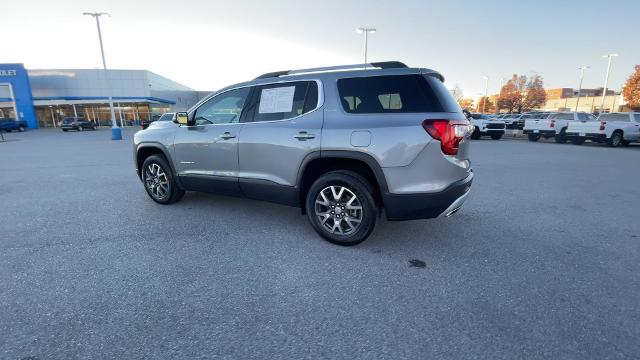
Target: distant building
563, 93
612, 103
43, 97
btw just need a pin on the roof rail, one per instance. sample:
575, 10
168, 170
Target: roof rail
380, 65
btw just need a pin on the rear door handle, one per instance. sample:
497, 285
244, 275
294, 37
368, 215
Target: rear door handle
303, 135
227, 135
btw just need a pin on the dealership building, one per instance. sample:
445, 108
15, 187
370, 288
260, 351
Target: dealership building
43, 97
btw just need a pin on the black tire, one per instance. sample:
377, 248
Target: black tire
80, 128
562, 137
93, 128
578, 140
533, 137
626, 142
65, 130
496, 136
476, 134
615, 140
172, 193
364, 193
21, 128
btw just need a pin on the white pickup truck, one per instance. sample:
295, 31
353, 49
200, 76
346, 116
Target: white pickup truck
486, 125
615, 129
553, 125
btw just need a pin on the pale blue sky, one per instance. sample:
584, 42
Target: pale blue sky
209, 44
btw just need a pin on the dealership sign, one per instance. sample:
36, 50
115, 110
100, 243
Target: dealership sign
8, 72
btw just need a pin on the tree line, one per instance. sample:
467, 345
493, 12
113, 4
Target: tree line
522, 93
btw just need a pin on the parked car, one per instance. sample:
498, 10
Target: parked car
341, 143
513, 121
9, 125
615, 129
164, 117
536, 126
484, 125
76, 123
555, 125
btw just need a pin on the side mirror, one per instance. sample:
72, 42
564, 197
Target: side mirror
183, 118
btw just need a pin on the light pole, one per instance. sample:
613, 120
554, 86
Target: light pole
116, 132
582, 69
486, 89
606, 79
366, 32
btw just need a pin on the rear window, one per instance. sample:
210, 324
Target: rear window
614, 117
67, 120
391, 94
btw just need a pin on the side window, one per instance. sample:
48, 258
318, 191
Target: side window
285, 100
591, 117
225, 108
582, 116
637, 116
388, 94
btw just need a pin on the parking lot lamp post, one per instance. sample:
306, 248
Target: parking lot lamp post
486, 89
116, 132
606, 79
366, 32
582, 69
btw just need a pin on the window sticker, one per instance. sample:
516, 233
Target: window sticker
276, 100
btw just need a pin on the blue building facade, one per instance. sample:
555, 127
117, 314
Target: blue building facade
16, 93
43, 97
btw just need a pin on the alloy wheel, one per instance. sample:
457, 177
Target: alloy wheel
339, 210
156, 181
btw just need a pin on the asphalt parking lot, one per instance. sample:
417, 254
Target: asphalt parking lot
543, 262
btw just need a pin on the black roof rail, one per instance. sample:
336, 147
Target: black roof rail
273, 74
389, 65
380, 65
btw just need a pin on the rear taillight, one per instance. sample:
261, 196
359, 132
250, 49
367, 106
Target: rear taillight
449, 132
552, 123
602, 124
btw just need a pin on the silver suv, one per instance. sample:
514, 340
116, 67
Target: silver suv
342, 143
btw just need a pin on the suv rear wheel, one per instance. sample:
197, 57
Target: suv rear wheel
341, 207
159, 182
533, 137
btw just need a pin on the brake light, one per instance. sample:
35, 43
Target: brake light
449, 132
552, 123
602, 124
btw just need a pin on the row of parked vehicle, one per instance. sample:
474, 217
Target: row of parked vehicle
614, 129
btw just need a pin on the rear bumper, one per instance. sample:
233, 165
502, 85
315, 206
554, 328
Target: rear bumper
427, 205
592, 136
541, 132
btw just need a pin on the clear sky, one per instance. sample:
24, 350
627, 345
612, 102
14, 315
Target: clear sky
209, 44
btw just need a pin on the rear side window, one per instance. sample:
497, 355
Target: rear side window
637, 116
389, 94
285, 100
614, 117
564, 116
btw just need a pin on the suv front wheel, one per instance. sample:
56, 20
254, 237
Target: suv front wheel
341, 207
159, 182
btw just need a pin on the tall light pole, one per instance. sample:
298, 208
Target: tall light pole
582, 69
116, 132
606, 79
366, 32
486, 89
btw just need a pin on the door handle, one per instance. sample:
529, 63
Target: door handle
303, 135
227, 135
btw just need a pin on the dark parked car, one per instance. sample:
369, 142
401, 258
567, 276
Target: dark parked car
9, 125
79, 124
154, 118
